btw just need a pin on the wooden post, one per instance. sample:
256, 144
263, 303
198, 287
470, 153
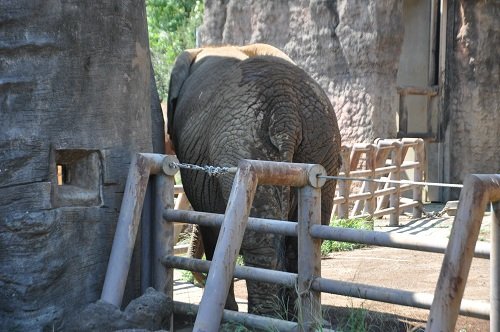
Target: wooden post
371, 164
309, 264
418, 176
345, 185
477, 192
227, 249
395, 175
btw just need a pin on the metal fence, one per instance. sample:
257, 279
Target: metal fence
444, 306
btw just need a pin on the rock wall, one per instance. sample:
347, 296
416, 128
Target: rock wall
351, 47
473, 88
74, 93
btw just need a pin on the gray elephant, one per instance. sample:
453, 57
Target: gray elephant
252, 102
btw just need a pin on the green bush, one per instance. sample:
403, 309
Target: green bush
172, 28
329, 246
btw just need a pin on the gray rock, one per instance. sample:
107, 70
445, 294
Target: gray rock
149, 312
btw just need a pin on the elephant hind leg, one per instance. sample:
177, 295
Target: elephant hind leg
210, 235
264, 298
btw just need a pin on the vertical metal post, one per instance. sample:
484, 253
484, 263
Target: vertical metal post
126, 231
495, 268
309, 263
163, 233
458, 257
146, 233
164, 241
227, 249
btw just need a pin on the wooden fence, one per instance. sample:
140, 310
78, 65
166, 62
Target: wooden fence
382, 160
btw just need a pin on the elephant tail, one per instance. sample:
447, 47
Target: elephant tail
196, 250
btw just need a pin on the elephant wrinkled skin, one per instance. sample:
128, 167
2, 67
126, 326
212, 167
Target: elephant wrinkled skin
231, 103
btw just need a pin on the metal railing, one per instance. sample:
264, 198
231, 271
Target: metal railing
444, 305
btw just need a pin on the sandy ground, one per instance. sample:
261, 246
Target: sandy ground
387, 267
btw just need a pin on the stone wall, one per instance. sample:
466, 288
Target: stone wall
473, 88
350, 47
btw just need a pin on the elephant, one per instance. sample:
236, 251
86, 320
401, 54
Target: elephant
231, 103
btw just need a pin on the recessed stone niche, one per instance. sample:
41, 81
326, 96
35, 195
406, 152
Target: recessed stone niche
76, 179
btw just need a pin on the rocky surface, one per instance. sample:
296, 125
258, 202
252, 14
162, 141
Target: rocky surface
474, 89
150, 312
350, 47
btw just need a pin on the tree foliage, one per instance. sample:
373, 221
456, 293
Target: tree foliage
172, 28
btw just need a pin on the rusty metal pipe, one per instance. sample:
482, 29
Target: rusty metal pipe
288, 228
249, 320
392, 240
227, 249
478, 191
141, 166
472, 308
288, 174
282, 278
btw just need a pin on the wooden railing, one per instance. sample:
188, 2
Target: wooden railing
382, 160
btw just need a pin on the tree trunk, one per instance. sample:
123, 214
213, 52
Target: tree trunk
75, 100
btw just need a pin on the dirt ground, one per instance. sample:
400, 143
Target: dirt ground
396, 268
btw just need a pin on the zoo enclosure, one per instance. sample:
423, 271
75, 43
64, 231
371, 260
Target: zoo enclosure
445, 305
382, 160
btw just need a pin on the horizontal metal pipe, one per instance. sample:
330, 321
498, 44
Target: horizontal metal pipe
153, 161
288, 228
288, 174
472, 308
283, 227
391, 240
249, 320
243, 272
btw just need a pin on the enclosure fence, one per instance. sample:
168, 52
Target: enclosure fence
445, 304
384, 160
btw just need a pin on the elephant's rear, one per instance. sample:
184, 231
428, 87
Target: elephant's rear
262, 108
